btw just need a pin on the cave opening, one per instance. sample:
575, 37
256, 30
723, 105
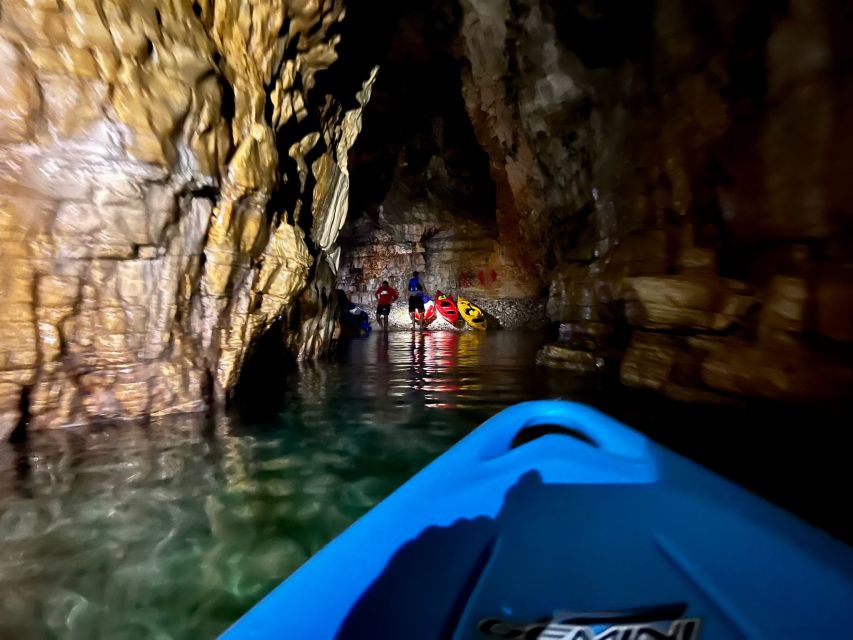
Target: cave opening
259, 394
19, 433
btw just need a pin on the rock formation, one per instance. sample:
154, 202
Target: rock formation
675, 170
173, 176
671, 173
423, 196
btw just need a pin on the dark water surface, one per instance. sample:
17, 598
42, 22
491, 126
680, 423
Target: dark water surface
171, 530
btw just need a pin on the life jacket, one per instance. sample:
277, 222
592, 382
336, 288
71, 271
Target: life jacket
415, 287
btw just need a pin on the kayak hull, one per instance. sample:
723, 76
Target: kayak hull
429, 313
472, 314
553, 514
357, 319
447, 308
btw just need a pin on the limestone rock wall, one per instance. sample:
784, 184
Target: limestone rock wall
172, 182
424, 197
419, 226
530, 110
452, 256
675, 170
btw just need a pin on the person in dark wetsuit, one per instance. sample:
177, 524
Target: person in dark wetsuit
385, 296
416, 298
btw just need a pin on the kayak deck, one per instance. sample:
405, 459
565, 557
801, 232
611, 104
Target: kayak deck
584, 528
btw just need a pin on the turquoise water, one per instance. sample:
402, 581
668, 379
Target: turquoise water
171, 530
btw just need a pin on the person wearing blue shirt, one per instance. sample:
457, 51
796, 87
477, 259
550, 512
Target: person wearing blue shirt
416, 298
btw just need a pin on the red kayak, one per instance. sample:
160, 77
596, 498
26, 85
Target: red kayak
429, 313
446, 307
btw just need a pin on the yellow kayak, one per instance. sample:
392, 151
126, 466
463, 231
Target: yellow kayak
471, 313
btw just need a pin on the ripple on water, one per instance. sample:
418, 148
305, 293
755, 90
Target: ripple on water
173, 529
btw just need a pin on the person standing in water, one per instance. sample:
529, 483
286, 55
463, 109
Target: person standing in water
385, 296
416, 298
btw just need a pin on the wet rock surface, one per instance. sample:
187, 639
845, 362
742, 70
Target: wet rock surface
172, 181
672, 171
675, 302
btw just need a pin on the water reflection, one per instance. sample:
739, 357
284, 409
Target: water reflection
443, 367
172, 529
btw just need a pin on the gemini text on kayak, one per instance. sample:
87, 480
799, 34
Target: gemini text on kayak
687, 629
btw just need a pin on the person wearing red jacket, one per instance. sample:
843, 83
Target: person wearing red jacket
385, 295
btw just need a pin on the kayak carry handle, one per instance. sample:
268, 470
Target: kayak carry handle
565, 441
533, 432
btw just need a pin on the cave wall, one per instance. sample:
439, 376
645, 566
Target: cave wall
173, 177
675, 170
423, 195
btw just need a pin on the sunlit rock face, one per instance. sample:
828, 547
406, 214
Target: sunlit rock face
173, 178
675, 170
